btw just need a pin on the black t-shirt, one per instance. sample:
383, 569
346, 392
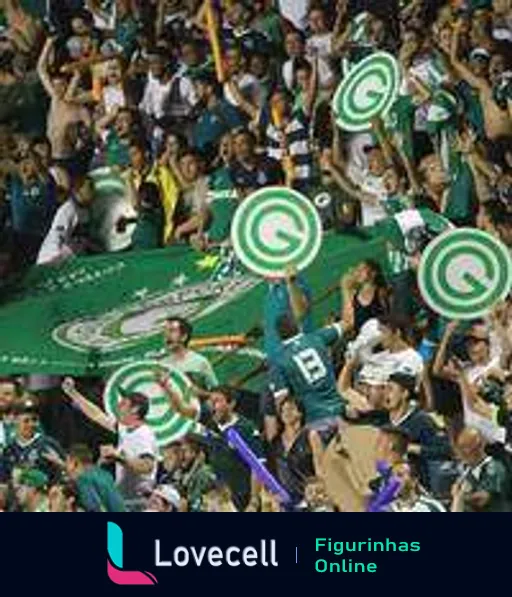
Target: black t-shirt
266, 172
294, 467
363, 313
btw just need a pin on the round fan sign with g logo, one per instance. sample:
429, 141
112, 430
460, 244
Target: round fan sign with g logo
464, 273
275, 228
368, 91
141, 377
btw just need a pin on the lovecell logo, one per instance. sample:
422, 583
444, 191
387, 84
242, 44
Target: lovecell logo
115, 561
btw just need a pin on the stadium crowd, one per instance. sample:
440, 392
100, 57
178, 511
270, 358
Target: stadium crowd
134, 86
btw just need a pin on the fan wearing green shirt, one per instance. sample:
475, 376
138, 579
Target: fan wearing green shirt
32, 491
116, 130
150, 221
304, 367
96, 489
217, 116
177, 335
29, 448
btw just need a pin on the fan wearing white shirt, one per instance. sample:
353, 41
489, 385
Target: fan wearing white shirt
113, 93
320, 41
397, 354
247, 84
157, 90
295, 45
294, 11
370, 179
485, 361
135, 455
60, 243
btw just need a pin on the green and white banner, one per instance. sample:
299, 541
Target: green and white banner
274, 228
368, 91
464, 273
141, 377
92, 315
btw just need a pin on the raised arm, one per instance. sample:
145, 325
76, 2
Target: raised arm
384, 142
90, 410
357, 403
42, 67
473, 399
348, 187
160, 18
339, 24
176, 402
441, 368
312, 91
298, 300
500, 324
348, 293
249, 108
459, 67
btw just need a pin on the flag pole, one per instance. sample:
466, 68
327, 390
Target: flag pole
212, 25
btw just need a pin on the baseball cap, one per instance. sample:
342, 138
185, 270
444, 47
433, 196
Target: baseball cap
169, 494
404, 380
33, 478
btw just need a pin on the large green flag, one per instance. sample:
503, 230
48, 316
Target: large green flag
91, 315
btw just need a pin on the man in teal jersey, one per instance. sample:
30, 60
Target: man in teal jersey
304, 367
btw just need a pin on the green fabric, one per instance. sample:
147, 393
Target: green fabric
472, 108
149, 231
400, 122
220, 183
222, 212
196, 366
442, 112
222, 205
270, 24
305, 366
462, 199
97, 491
116, 151
92, 315
396, 230
397, 203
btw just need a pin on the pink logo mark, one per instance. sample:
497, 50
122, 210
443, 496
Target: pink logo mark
115, 561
